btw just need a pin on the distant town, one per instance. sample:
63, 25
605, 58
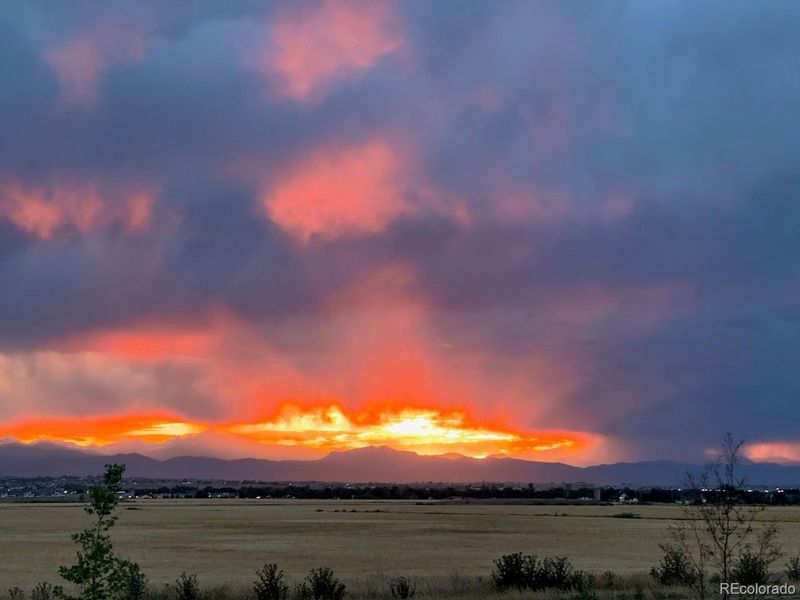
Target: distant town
72, 489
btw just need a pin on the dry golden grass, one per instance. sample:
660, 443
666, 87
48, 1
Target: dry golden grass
225, 541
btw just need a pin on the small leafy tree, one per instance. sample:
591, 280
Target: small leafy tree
270, 584
98, 572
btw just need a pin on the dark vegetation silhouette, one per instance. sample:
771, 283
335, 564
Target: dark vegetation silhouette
792, 571
270, 583
187, 587
675, 568
321, 584
528, 572
402, 588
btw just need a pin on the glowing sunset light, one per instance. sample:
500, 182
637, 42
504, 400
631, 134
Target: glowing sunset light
425, 431
322, 428
100, 431
167, 430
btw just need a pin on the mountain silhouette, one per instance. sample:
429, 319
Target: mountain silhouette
371, 464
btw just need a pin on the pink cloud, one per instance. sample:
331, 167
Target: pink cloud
42, 210
80, 61
357, 189
777, 452
336, 40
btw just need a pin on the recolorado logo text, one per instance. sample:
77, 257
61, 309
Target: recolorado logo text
737, 589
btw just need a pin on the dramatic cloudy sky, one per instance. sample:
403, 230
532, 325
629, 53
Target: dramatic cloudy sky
564, 230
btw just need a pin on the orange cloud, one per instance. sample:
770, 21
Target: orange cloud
322, 428
145, 344
336, 40
100, 431
41, 211
339, 191
80, 61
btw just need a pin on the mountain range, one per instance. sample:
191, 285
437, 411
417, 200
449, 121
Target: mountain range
371, 464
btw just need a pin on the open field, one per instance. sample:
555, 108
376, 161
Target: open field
224, 541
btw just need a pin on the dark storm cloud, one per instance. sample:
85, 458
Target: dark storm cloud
658, 143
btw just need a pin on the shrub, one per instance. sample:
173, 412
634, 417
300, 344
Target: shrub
675, 568
322, 584
42, 591
270, 584
15, 593
514, 570
186, 587
583, 581
793, 568
608, 580
402, 588
555, 572
750, 569
528, 572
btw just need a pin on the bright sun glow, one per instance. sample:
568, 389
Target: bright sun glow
324, 428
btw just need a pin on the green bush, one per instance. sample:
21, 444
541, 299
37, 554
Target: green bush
402, 588
186, 587
675, 568
322, 584
750, 569
270, 584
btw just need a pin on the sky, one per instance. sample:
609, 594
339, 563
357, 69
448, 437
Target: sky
553, 230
